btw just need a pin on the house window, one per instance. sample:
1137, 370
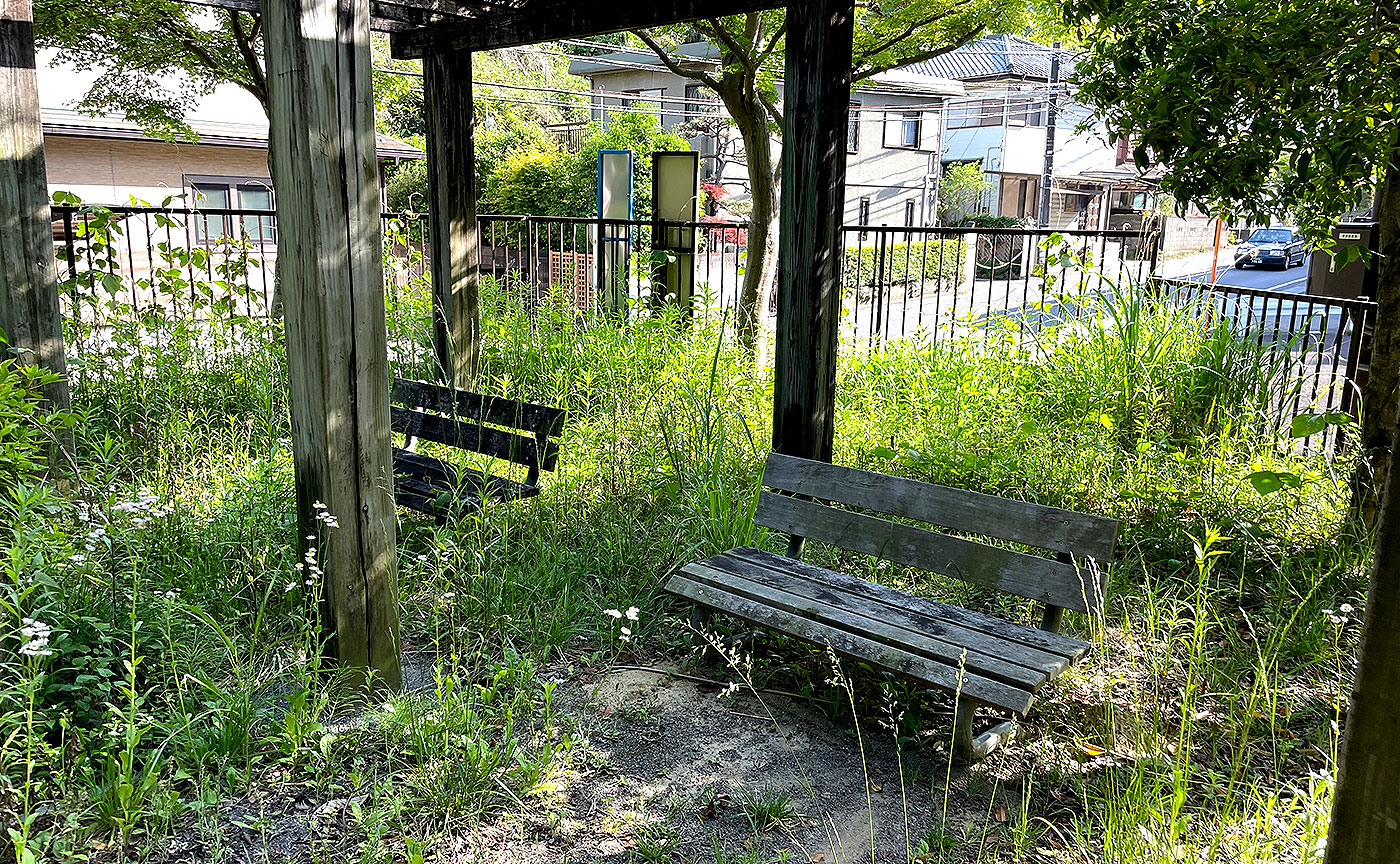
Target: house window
971, 115
1024, 111
853, 128
909, 213
864, 216
909, 129
233, 193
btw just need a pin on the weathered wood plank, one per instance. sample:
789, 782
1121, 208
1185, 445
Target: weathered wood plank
882, 656
957, 509
504, 27
322, 152
445, 476
475, 437
29, 305
447, 107
978, 643
835, 612
1013, 572
465, 405
1051, 643
816, 106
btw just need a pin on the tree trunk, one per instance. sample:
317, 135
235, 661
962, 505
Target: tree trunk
761, 267
1365, 807
1382, 396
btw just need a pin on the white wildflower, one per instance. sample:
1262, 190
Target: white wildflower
632, 613
36, 638
612, 613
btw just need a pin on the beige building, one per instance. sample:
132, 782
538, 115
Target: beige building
108, 160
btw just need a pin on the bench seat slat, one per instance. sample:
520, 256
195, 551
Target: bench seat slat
919, 668
421, 482
1051, 643
997, 651
839, 612
956, 509
1051, 582
466, 405
515, 448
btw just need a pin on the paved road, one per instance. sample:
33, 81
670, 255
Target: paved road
1293, 280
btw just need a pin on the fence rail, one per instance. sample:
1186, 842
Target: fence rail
159, 266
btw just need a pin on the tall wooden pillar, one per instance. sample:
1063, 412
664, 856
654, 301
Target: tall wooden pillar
447, 102
29, 309
816, 100
331, 271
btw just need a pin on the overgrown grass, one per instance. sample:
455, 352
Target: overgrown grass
185, 667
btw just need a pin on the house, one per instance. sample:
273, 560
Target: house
110, 160
893, 141
1002, 124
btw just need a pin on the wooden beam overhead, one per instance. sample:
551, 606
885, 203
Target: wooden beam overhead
561, 19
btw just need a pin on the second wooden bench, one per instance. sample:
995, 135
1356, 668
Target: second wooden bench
489, 425
984, 659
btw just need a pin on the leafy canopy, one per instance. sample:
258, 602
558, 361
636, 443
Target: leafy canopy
1255, 107
156, 58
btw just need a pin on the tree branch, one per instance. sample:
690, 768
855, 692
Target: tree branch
862, 74
246, 49
664, 56
911, 28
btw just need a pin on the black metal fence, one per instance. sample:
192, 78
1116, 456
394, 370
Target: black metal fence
153, 274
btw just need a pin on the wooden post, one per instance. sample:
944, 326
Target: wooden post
29, 309
816, 101
331, 270
447, 103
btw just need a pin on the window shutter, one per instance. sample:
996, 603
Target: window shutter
928, 132
894, 129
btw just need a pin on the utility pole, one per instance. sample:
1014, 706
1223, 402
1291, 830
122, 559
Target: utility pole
1047, 176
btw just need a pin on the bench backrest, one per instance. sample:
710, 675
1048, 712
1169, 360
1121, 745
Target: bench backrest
490, 425
1056, 583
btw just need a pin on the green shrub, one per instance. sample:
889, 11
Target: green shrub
904, 264
407, 190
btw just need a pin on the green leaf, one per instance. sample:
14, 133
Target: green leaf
1269, 482
1029, 427
1306, 424
884, 453
1310, 424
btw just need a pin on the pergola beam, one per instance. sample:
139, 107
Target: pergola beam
29, 305
561, 19
321, 145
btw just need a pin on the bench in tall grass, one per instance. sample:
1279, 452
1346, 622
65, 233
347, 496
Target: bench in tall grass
983, 659
489, 425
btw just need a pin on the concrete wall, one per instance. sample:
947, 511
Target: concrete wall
112, 171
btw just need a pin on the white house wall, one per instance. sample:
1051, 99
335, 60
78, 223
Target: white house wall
890, 178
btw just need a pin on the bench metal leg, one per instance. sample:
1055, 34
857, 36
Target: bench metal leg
971, 748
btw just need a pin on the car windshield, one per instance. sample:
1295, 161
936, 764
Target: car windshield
1271, 235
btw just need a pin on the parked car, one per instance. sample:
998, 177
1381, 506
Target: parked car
1271, 247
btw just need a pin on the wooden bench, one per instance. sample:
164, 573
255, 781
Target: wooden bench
986, 660
490, 425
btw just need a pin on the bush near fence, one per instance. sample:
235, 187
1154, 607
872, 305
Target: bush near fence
903, 264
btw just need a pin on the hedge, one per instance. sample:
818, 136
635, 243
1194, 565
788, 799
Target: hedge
940, 260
